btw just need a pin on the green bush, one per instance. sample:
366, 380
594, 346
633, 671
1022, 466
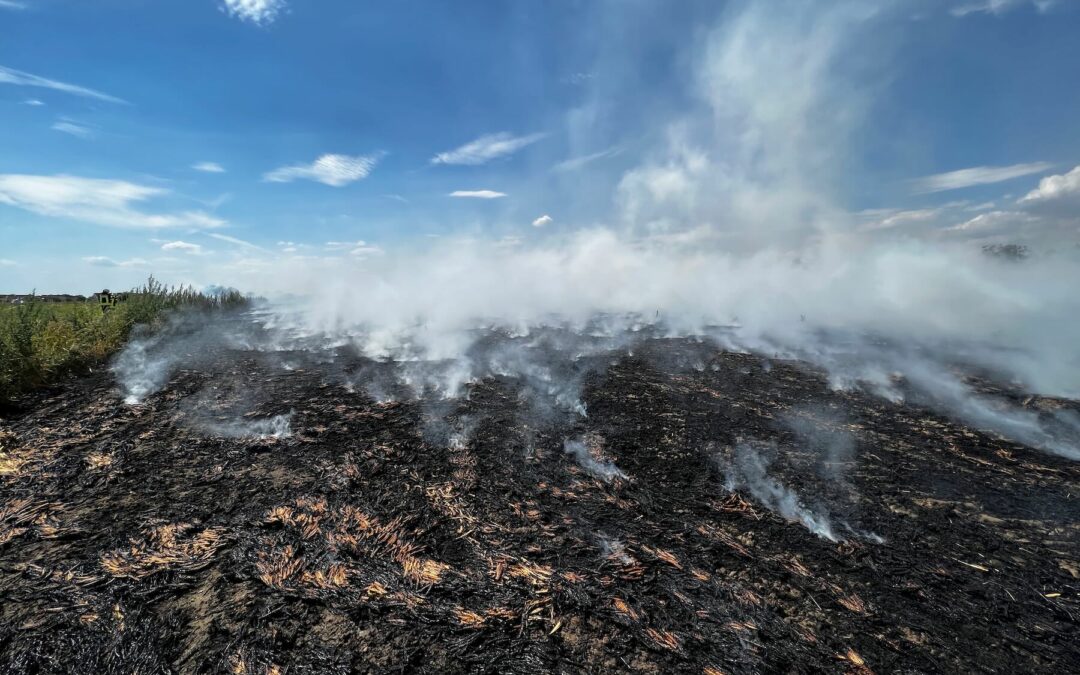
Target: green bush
40, 342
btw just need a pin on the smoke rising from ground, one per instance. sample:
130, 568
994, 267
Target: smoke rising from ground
732, 228
747, 469
605, 471
278, 426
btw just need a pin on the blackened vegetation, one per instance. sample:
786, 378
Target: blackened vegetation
459, 536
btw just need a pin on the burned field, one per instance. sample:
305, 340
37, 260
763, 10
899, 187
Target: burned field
712, 511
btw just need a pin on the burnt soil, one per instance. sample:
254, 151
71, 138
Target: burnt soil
458, 536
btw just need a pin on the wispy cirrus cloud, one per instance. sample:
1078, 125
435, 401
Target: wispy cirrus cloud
258, 12
333, 170
998, 6
478, 194
234, 240
93, 200
575, 163
23, 79
979, 175
486, 148
12, 4
7, 262
359, 248
105, 261
73, 128
208, 167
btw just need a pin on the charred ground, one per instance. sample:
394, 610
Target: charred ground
458, 535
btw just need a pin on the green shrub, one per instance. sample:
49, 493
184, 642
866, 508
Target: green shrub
40, 343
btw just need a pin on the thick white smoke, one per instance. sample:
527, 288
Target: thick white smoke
734, 227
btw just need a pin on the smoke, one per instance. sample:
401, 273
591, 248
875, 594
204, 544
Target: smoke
732, 227
983, 412
821, 431
140, 372
605, 471
278, 426
747, 469
188, 339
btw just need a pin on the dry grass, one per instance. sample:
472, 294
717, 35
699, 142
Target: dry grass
748, 598
21, 516
537, 575
14, 461
853, 603
664, 638
335, 576
278, 567
666, 556
177, 547
858, 664
624, 609
11, 465
717, 534
469, 619
345, 528
445, 501
99, 460
376, 590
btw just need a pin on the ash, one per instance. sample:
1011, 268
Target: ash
647, 505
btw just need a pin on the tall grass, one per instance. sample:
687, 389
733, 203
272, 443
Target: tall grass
43, 342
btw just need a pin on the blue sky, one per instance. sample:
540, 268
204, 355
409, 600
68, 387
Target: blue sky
191, 137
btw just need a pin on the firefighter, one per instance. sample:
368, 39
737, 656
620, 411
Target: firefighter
106, 300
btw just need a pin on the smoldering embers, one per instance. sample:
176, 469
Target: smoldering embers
747, 468
278, 426
605, 471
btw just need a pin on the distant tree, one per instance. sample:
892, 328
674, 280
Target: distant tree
1007, 251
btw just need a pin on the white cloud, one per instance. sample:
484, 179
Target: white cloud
208, 167
258, 12
103, 261
887, 220
995, 222
333, 170
19, 78
979, 175
193, 249
103, 202
997, 7
7, 262
364, 251
12, 4
542, 221
234, 240
478, 194
342, 245
486, 148
33, 102
73, 128
1054, 187
575, 163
